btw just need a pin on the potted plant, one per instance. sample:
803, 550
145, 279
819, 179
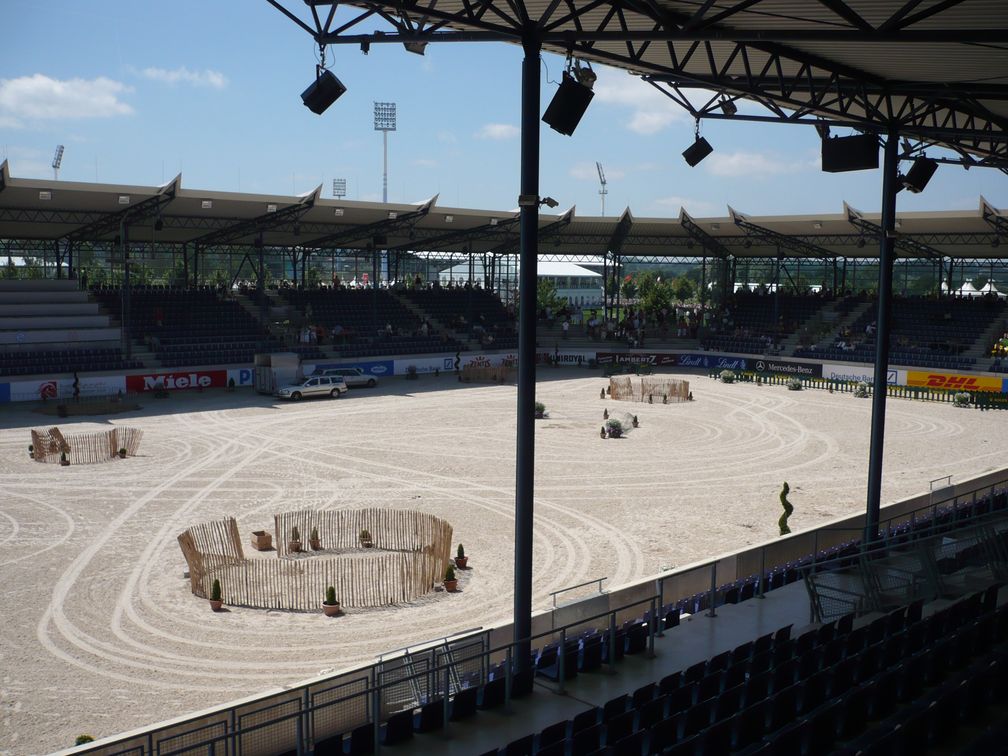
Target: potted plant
216, 602
614, 428
63, 459
122, 453
331, 604
540, 410
634, 421
450, 583
31, 450
313, 539
82, 739
365, 538
961, 399
794, 384
861, 390
602, 432
727, 376
605, 413
294, 544
461, 560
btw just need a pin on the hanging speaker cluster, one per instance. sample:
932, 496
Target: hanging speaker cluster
920, 173
852, 153
322, 92
568, 104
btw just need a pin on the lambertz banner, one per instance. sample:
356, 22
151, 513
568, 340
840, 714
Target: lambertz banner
636, 358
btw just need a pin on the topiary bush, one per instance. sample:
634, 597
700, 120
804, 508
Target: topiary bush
788, 510
614, 428
330, 596
794, 384
861, 390
215, 590
727, 376
961, 399
540, 410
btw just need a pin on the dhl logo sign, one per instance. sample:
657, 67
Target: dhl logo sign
953, 382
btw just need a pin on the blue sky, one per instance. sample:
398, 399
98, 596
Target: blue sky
141, 91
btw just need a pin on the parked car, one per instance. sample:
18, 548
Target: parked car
352, 376
316, 385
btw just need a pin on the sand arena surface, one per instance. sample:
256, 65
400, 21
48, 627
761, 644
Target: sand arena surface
100, 633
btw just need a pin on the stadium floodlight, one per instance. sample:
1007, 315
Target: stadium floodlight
57, 161
339, 188
417, 48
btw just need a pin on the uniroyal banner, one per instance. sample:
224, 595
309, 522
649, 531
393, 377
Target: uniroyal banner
63, 388
953, 381
564, 357
192, 379
636, 358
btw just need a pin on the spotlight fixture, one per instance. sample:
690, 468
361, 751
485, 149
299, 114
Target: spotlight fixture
417, 48
571, 99
549, 202
322, 92
698, 150
728, 107
920, 173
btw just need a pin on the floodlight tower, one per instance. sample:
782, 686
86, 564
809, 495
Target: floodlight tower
602, 181
56, 161
339, 188
384, 121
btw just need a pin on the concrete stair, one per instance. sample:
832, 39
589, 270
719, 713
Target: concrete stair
437, 325
980, 348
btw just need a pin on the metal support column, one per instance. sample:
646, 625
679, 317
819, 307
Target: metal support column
525, 451
126, 335
887, 244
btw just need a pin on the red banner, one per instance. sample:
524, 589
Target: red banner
194, 379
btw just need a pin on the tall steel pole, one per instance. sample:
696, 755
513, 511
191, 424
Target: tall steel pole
883, 324
384, 121
527, 271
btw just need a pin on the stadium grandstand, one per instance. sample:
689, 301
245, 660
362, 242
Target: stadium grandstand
884, 632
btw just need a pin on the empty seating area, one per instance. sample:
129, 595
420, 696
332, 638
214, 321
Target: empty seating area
757, 323
187, 327
33, 362
370, 322
473, 311
925, 332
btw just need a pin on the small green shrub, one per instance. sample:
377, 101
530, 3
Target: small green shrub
794, 384
961, 399
461, 552
330, 596
861, 390
727, 376
295, 534
540, 409
215, 590
365, 537
314, 534
82, 739
449, 573
614, 428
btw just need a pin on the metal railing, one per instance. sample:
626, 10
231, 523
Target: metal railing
554, 594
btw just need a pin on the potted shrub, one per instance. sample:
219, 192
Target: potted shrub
794, 384
861, 390
294, 544
634, 421
63, 459
602, 432
313, 539
82, 739
540, 410
961, 399
331, 604
450, 583
365, 538
461, 560
31, 450
216, 602
122, 453
727, 376
614, 428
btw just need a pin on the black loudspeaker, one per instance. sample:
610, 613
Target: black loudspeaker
568, 105
853, 153
322, 92
697, 151
919, 174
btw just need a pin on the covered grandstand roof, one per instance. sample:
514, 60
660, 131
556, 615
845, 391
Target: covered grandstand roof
936, 69
45, 209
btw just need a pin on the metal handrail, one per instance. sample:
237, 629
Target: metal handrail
575, 587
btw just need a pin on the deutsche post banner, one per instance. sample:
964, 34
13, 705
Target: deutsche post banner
953, 382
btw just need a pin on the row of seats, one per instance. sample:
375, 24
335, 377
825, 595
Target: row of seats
64, 361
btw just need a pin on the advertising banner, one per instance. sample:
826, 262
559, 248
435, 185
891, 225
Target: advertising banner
377, 368
241, 376
564, 357
4, 393
63, 388
193, 379
656, 359
787, 367
713, 361
858, 373
427, 364
953, 381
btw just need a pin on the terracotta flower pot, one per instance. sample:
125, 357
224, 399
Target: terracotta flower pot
330, 610
216, 605
461, 562
451, 586
315, 543
294, 546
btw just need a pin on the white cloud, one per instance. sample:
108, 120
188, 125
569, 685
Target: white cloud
39, 97
673, 203
588, 172
733, 164
182, 75
650, 110
497, 131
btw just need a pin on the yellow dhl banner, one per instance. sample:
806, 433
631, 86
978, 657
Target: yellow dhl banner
953, 382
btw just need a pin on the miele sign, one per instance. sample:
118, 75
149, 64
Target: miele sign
177, 381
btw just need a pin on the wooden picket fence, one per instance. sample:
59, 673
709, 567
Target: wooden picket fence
410, 553
655, 389
84, 448
487, 373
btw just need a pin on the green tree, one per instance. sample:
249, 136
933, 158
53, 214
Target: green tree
546, 296
683, 288
628, 288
